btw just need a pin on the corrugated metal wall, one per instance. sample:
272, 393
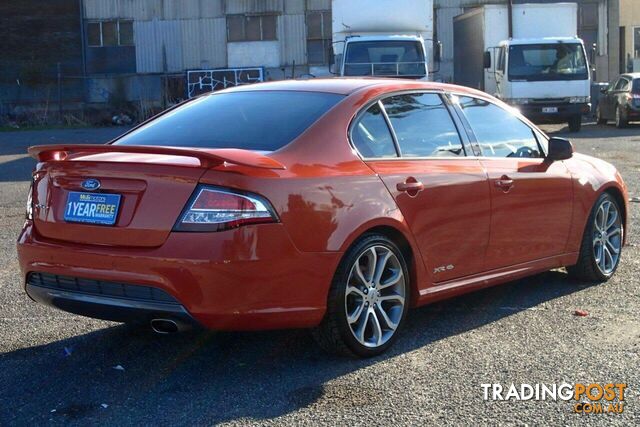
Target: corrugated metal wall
168, 45
318, 4
444, 28
253, 6
292, 34
174, 35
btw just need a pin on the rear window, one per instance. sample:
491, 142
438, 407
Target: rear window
636, 86
256, 120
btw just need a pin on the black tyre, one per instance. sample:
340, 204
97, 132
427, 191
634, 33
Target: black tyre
621, 118
601, 120
601, 243
368, 299
575, 123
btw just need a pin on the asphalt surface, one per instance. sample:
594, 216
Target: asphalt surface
62, 369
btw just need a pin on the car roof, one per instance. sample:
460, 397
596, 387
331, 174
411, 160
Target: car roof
631, 75
348, 85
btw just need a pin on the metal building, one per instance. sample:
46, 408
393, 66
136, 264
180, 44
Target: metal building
248, 39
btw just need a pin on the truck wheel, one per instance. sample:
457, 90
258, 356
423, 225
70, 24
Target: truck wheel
601, 243
621, 118
368, 299
601, 120
575, 123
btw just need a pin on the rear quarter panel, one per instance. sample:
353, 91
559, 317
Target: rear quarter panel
326, 197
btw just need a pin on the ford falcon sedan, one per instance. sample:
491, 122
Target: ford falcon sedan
334, 205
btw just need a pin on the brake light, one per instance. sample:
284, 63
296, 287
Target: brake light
218, 209
29, 213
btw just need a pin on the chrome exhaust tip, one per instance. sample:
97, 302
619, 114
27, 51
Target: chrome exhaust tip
165, 326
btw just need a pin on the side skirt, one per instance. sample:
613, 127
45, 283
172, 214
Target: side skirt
463, 285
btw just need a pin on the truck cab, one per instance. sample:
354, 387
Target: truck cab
383, 56
547, 78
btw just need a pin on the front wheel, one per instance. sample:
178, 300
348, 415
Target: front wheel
368, 299
601, 243
575, 123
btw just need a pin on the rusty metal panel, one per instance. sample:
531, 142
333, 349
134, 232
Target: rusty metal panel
318, 4
292, 38
253, 6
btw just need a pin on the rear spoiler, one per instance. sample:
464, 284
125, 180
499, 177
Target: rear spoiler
207, 157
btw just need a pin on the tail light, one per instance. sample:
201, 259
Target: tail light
218, 209
29, 213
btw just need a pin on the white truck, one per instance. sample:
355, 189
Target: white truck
384, 38
541, 67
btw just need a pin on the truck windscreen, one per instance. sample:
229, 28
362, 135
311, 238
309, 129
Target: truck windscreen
542, 62
385, 58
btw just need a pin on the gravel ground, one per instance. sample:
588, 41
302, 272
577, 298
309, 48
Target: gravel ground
59, 369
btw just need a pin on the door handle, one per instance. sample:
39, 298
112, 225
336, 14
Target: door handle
411, 186
504, 183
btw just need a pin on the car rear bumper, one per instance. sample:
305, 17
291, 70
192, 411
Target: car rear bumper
633, 112
535, 112
100, 306
249, 278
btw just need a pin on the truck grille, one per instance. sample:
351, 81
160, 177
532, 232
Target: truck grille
549, 101
100, 287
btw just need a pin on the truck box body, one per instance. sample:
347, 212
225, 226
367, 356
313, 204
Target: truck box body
482, 29
385, 22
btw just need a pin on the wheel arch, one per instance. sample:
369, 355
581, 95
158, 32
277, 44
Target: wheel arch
618, 195
407, 247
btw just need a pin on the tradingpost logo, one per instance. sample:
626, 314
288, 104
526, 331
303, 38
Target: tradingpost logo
594, 398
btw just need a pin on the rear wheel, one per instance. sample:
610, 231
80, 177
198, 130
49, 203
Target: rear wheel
601, 120
368, 299
621, 118
602, 242
575, 123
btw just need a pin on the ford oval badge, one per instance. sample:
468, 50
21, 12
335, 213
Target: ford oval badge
90, 184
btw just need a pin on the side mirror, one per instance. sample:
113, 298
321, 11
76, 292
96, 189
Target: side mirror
486, 60
560, 149
437, 51
604, 89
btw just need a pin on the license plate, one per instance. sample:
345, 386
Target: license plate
92, 208
550, 109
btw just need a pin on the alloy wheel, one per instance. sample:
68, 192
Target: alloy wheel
375, 296
607, 237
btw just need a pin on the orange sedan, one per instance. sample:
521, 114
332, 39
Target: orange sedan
328, 204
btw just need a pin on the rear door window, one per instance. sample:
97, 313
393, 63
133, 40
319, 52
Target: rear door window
252, 120
371, 135
423, 126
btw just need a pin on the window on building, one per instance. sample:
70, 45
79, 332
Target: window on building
242, 28
110, 33
318, 37
636, 42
